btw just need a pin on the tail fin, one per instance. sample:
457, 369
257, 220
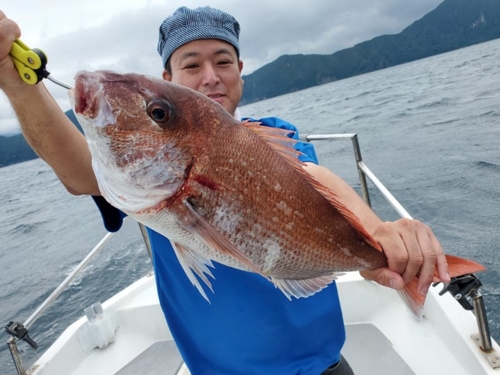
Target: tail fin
460, 266
456, 267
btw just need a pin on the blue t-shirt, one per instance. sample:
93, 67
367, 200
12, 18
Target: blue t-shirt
249, 327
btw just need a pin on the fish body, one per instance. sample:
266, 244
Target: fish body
219, 189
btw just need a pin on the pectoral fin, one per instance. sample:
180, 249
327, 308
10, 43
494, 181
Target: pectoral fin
193, 263
215, 240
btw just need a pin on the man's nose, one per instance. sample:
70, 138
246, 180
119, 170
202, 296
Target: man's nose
210, 76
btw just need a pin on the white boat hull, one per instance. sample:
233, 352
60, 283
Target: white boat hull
382, 336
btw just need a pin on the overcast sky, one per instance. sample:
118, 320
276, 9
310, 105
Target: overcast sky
121, 35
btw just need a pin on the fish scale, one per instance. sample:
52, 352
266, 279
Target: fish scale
228, 169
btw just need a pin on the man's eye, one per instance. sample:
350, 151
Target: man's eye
191, 66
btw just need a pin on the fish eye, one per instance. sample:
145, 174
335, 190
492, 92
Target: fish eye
159, 111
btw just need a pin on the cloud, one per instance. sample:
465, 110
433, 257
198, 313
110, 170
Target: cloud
122, 35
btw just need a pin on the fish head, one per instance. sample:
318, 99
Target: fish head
142, 134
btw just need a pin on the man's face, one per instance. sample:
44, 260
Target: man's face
211, 67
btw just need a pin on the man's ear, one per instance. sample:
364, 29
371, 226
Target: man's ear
167, 76
240, 68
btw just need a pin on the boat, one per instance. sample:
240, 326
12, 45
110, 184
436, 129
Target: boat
128, 334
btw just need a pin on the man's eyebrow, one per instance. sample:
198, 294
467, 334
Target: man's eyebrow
221, 51
187, 55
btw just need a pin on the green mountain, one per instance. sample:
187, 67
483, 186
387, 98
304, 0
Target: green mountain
452, 25
15, 149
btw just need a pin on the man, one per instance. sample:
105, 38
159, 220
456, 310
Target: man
249, 327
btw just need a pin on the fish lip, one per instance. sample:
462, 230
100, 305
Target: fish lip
89, 100
81, 95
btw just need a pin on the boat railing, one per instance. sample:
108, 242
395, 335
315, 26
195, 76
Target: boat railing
461, 290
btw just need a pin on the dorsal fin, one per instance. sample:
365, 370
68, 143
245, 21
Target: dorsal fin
350, 217
277, 138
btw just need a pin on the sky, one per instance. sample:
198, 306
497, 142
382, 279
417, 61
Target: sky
122, 35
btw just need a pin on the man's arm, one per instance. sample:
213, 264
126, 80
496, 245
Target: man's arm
410, 246
44, 125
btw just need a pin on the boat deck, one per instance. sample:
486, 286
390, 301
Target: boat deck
161, 358
366, 349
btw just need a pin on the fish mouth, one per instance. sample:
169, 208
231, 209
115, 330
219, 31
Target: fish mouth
89, 101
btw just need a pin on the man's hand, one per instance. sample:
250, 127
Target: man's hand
44, 125
411, 249
9, 32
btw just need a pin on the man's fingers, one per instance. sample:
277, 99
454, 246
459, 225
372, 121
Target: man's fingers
385, 277
9, 32
408, 233
394, 248
428, 253
441, 262
412, 250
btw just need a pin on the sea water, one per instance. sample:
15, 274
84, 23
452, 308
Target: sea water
430, 131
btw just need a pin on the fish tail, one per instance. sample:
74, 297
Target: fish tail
460, 266
456, 267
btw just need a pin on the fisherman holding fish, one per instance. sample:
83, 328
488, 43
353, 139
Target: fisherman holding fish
248, 327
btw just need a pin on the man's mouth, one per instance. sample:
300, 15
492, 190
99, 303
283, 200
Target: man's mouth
217, 97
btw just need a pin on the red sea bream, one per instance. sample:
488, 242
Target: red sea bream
219, 189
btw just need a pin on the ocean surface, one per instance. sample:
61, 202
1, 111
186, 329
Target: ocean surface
430, 131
